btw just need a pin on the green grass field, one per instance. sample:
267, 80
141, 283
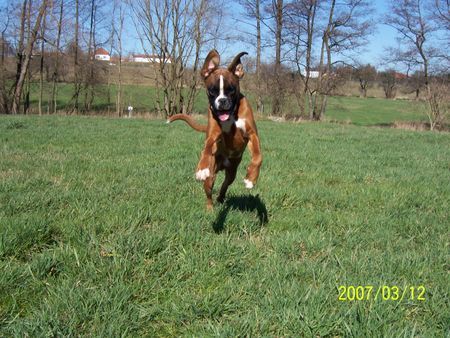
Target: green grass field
358, 111
374, 111
104, 232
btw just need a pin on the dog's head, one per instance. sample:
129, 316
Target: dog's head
222, 85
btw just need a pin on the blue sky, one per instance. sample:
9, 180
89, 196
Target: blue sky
383, 37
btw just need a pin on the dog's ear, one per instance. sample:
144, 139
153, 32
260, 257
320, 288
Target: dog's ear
212, 61
236, 65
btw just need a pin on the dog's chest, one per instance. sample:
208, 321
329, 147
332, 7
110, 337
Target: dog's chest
232, 144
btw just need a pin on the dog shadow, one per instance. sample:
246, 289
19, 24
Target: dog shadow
247, 203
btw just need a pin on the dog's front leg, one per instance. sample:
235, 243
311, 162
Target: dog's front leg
206, 169
208, 184
256, 160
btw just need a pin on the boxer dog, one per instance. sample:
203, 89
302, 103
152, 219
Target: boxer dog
231, 126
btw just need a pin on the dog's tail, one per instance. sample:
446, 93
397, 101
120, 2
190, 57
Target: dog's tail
189, 120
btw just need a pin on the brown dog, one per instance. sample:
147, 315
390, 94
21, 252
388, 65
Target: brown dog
231, 126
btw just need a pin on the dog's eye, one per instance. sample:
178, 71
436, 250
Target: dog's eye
212, 91
232, 90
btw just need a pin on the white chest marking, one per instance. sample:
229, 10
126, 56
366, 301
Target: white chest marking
240, 123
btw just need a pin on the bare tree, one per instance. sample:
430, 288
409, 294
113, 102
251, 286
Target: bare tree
440, 14
172, 32
366, 75
300, 32
27, 84
118, 34
53, 96
89, 75
335, 29
26, 61
41, 63
389, 83
20, 57
198, 40
346, 31
76, 68
5, 48
415, 28
440, 89
253, 12
415, 83
276, 10
97, 29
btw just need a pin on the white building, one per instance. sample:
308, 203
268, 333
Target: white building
144, 58
313, 74
102, 55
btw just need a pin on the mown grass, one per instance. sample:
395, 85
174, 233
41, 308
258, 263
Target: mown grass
355, 110
374, 111
142, 98
103, 232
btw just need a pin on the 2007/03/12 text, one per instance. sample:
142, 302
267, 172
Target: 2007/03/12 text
382, 292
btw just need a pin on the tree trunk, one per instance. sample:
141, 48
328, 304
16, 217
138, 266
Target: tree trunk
89, 76
198, 44
259, 103
307, 90
53, 102
41, 65
319, 112
315, 109
76, 87
20, 57
328, 78
119, 102
26, 102
4, 99
24, 67
276, 103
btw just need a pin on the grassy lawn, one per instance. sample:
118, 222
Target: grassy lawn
374, 111
142, 98
359, 111
103, 232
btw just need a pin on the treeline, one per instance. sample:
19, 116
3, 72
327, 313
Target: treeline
303, 49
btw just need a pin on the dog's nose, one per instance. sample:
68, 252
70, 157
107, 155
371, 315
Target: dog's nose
224, 103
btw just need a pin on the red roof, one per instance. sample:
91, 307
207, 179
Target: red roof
400, 76
101, 51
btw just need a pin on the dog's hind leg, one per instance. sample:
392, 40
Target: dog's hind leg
230, 175
208, 185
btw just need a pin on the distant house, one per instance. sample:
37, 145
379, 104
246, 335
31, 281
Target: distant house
146, 58
102, 55
400, 76
313, 74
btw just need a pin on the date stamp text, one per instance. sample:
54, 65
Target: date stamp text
350, 293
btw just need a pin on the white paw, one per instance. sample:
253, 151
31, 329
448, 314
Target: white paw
248, 184
202, 174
